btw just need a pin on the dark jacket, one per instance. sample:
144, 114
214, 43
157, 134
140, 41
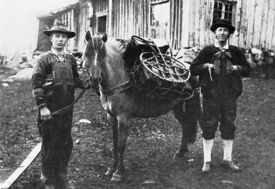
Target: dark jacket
61, 75
230, 80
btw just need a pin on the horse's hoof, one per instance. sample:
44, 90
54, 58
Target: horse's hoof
116, 178
109, 171
43, 178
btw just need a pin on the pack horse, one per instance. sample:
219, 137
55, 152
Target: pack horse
122, 100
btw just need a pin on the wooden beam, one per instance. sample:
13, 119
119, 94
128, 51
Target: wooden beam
32, 155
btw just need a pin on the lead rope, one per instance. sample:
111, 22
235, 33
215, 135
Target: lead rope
66, 108
210, 74
201, 99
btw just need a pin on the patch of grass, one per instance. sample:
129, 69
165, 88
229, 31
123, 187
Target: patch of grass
17, 123
151, 144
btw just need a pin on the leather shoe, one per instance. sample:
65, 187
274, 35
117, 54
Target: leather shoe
206, 167
230, 165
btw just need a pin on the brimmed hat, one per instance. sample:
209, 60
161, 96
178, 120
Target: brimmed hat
61, 28
223, 23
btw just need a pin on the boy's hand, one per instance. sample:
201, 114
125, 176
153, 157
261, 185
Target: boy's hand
45, 113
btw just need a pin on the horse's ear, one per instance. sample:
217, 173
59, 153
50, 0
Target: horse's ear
104, 37
88, 36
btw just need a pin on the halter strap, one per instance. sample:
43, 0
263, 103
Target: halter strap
117, 89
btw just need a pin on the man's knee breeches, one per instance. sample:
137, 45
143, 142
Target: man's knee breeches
220, 114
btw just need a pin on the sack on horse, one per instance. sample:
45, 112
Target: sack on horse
154, 70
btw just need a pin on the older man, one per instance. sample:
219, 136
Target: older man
219, 68
54, 80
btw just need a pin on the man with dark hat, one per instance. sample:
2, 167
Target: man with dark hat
219, 68
54, 80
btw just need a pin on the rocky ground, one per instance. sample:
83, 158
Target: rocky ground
151, 144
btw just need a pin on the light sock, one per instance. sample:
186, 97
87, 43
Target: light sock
227, 150
207, 149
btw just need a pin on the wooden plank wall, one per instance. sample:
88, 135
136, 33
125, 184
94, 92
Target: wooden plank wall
176, 7
257, 23
254, 22
200, 20
101, 6
191, 19
82, 21
130, 17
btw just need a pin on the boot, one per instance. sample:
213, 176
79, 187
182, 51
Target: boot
230, 165
207, 149
62, 182
43, 178
206, 167
227, 156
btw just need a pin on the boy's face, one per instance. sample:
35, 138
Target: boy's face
59, 40
222, 34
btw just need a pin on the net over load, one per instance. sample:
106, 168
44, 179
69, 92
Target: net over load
155, 72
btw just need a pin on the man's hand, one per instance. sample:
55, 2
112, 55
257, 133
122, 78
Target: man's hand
208, 66
234, 68
45, 113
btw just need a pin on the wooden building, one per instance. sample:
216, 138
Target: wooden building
182, 23
74, 16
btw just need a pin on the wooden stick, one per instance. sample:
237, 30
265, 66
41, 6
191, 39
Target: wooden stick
32, 155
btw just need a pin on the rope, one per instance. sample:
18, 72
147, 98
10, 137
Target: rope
66, 108
210, 74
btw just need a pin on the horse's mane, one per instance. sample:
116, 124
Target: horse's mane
114, 46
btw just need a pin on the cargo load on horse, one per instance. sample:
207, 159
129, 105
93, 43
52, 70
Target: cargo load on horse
154, 70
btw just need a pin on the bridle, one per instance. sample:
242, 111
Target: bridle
110, 91
92, 80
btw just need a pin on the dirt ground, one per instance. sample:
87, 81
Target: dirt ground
150, 148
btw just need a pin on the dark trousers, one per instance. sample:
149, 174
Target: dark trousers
219, 109
57, 147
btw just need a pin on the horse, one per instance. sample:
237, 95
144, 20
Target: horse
121, 100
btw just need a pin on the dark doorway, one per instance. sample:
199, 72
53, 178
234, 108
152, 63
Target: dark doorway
101, 24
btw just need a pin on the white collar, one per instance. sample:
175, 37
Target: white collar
217, 44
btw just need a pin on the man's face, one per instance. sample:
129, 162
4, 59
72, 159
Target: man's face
59, 40
222, 34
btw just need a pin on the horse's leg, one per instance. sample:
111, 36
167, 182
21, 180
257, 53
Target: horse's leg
113, 122
179, 114
188, 117
122, 139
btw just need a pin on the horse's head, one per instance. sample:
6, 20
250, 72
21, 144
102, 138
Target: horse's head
95, 54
